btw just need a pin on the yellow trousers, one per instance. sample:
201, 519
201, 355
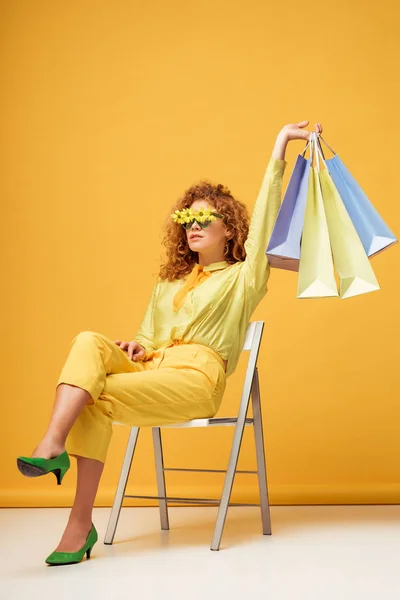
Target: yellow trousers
178, 382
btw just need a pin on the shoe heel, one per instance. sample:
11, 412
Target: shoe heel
88, 552
59, 473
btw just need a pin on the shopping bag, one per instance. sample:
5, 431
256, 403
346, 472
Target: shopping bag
283, 251
316, 270
375, 235
350, 259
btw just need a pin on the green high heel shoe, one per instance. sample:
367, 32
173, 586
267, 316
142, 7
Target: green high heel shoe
35, 466
69, 558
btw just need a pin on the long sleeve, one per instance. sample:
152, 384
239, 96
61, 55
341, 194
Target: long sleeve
145, 333
265, 212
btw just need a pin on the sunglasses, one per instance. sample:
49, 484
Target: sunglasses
203, 224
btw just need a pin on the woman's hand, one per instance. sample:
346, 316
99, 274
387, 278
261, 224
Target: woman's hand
135, 351
296, 131
292, 131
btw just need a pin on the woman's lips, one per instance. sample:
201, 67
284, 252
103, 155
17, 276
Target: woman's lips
197, 237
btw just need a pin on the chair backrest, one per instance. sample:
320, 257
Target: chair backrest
252, 342
250, 336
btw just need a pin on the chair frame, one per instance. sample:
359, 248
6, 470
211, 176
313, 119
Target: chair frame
251, 387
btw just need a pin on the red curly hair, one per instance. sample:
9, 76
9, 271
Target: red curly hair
180, 259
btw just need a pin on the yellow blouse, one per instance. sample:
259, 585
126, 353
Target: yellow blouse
214, 307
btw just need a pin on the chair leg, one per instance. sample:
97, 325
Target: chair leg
158, 455
123, 479
261, 466
230, 475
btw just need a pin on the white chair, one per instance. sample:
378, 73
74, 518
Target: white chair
251, 386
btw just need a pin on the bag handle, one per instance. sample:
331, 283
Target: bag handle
312, 148
311, 142
304, 151
318, 138
318, 150
321, 138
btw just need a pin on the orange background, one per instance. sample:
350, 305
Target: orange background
109, 111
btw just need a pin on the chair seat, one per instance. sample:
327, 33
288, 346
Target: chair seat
202, 422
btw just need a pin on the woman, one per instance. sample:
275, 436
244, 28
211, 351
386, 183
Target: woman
188, 343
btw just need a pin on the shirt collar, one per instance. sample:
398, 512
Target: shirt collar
222, 264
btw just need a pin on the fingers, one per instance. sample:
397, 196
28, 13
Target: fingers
318, 126
135, 351
131, 348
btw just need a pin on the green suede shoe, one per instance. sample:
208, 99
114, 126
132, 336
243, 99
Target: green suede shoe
35, 466
69, 558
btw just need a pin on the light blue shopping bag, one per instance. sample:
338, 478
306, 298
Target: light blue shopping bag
375, 235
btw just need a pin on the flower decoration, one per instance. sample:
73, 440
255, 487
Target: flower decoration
187, 215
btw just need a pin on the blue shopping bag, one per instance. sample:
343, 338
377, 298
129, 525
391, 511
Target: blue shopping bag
375, 235
283, 251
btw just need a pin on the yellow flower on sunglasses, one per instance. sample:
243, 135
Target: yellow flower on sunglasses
182, 216
187, 215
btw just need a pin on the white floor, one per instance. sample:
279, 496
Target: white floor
314, 553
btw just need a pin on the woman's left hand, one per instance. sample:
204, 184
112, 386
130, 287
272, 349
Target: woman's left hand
296, 131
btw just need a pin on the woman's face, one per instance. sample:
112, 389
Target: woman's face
212, 238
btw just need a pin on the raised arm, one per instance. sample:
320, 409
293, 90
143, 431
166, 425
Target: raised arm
264, 215
145, 333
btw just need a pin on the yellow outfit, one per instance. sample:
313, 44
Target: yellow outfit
190, 326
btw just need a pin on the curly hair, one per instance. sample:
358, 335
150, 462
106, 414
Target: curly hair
180, 259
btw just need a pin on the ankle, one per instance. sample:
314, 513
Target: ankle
80, 519
47, 449
54, 441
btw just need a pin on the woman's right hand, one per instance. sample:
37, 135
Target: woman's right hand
135, 351
296, 131
292, 131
